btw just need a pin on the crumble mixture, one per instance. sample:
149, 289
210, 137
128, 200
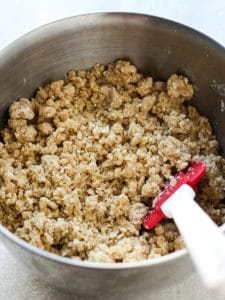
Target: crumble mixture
82, 161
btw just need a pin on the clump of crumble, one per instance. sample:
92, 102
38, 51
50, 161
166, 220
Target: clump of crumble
81, 162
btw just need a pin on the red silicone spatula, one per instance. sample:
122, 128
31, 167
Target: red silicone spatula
203, 238
193, 175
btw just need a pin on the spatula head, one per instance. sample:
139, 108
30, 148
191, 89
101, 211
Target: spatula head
191, 177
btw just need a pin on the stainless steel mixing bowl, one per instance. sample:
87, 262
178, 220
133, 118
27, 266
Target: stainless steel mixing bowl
158, 47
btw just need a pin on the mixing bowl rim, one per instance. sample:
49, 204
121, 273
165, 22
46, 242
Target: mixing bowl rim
10, 47
88, 264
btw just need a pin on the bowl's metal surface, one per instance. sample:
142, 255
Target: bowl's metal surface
158, 47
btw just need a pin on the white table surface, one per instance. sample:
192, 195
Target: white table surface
20, 16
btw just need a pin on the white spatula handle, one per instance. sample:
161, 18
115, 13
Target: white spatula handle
203, 238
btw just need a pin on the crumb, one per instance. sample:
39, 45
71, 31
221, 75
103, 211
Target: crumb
82, 161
